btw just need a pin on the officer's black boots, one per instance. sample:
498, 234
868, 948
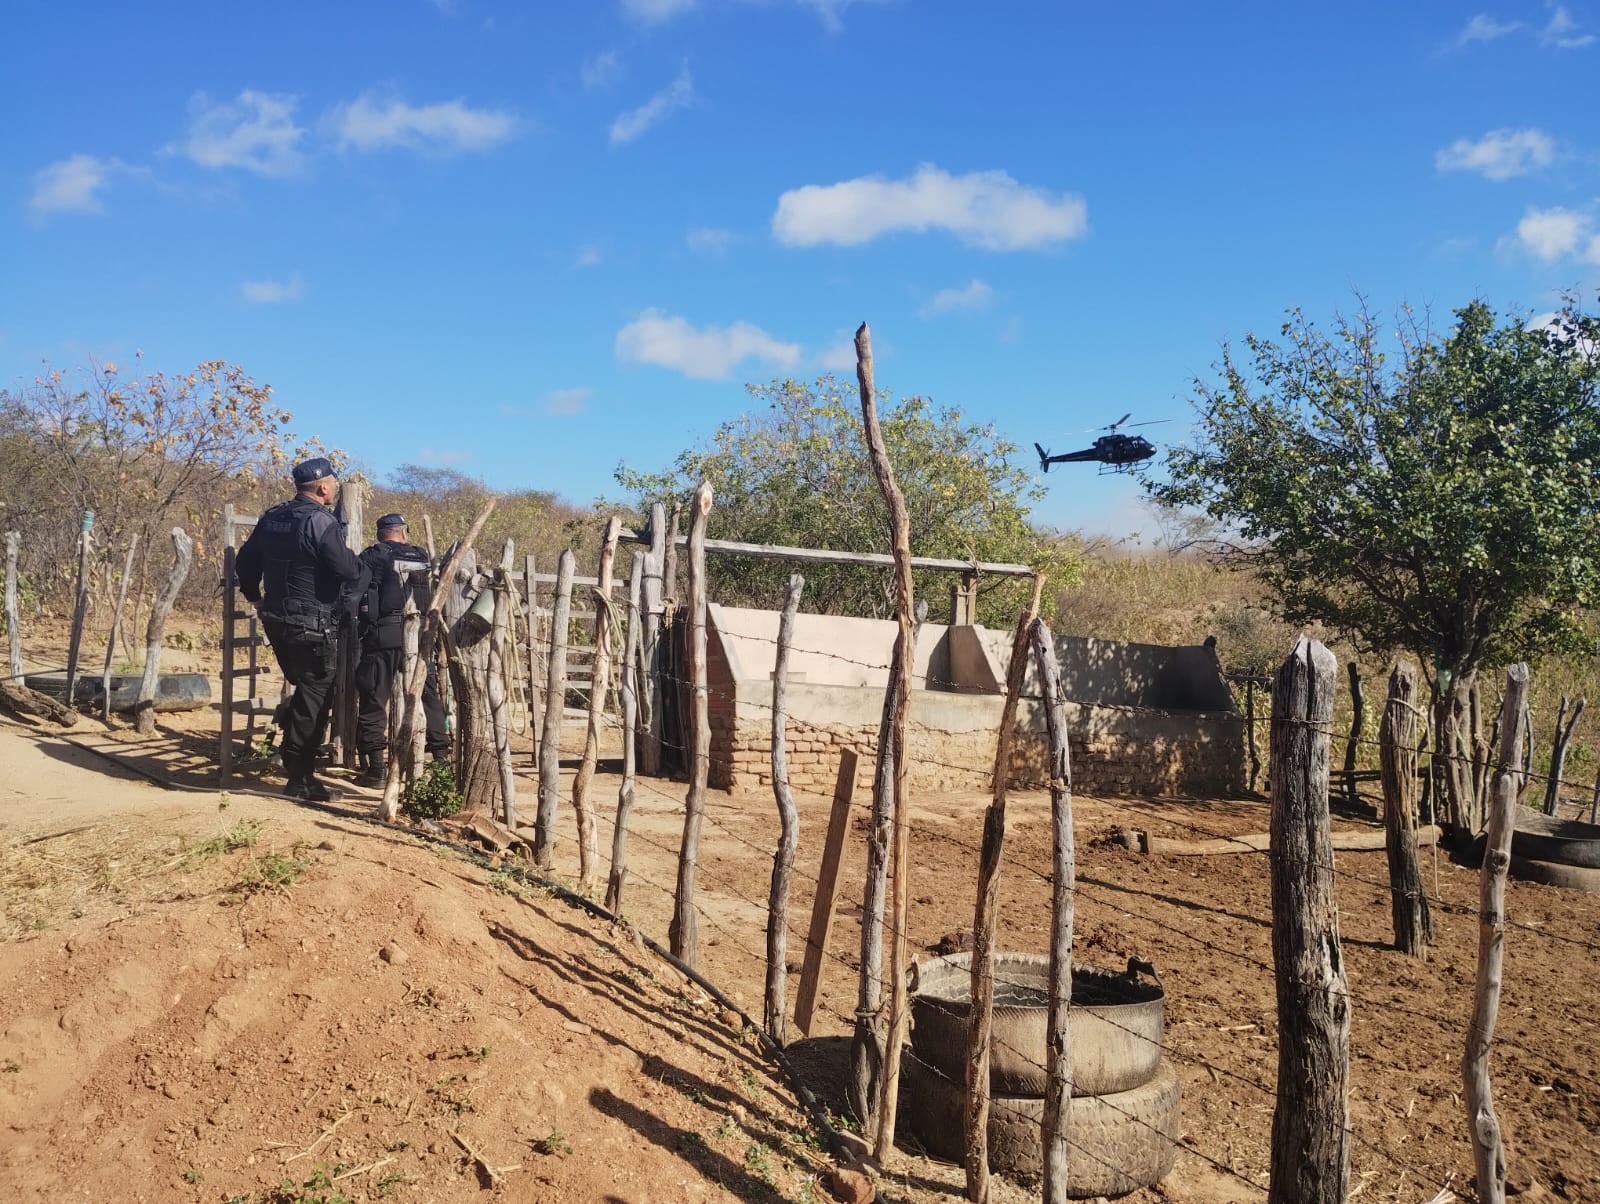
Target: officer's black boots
374, 767
309, 790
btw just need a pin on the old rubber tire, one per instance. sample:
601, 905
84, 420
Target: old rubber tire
1117, 1021
1117, 1143
1553, 873
1541, 837
174, 691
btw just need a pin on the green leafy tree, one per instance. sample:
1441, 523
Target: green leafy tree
1444, 504
795, 472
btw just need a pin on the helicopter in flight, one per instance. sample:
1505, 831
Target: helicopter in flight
1115, 452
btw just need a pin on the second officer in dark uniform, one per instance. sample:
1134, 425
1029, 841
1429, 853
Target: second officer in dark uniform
296, 569
382, 606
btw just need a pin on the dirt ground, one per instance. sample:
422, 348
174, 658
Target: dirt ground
166, 1015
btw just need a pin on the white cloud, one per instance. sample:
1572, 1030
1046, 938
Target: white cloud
655, 12
710, 240
840, 357
1499, 154
985, 208
831, 14
600, 70
703, 353
1551, 234
1562, 31
1484, 28
72, 185
271, 292
677, 95
565, 403
589, 255
256, 133
975, 295
371, 123
443, 458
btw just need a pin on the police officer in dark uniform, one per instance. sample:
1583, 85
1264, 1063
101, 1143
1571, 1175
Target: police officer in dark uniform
296, 569
380, 621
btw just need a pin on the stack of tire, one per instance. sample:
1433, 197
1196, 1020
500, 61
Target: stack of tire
1123, 1127
1556, 852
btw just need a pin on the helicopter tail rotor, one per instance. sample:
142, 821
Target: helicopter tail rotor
1044, 458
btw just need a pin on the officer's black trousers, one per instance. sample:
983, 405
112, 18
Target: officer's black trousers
375, 678
310, 668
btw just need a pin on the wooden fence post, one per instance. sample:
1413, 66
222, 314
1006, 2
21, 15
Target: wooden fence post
116, 622
1400, 740
628, 692
80, 608
980, 1016
555, 704
144, 710
1483, 1126
1310, 1125
13, 625
650, 600
1358, 717
498, 704
1250, 731
1058, 1050
904, 652
535, 694
788, 821
684, 931
432, 630
599, 679
827, 896
346, 715
405, 756
1558, 753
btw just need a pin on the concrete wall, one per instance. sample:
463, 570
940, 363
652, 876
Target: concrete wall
839, 672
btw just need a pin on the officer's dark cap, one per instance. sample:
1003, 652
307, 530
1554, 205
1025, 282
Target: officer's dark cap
314, 469
391, 520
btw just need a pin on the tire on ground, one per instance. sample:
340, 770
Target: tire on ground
1116, 1143
1553, 873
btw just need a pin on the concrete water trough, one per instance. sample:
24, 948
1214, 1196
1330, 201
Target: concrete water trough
174, 691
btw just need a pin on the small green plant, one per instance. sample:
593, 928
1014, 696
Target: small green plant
758, 1161
318, 1189
275, 871
389, 1182
748, 1080
434, 795
243, 835
724, 1129
448, 1096
555, 1143
193, 1176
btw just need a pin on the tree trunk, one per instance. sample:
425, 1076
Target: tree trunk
1358, 718
628, 693
80, 608
1458, 804
684, 929
345, 717
13, 624
599, 679
144, 710
1399, 738
1558, 753
555, 704
788, 824
1483, 1126
980, 1016
1310, 1154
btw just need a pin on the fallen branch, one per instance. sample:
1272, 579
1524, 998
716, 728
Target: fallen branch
490, 1176
1136, 841
25, 703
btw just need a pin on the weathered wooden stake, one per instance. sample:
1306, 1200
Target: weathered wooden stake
499, 703
13, 625
599, 679
980, 1016
650, 600
788, 821
405, 740
683, 931
432, 630
144, 710
1250, 731
1483, 1126
80, 608
351, 512
628, 693
827, 896
1310, 1125
555, 704
116, 622
904, 654
1399, 740
1058, 1049
535, 694
1358, 718
1558, 753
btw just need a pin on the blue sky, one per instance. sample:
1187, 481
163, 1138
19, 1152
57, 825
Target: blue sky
529, 241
